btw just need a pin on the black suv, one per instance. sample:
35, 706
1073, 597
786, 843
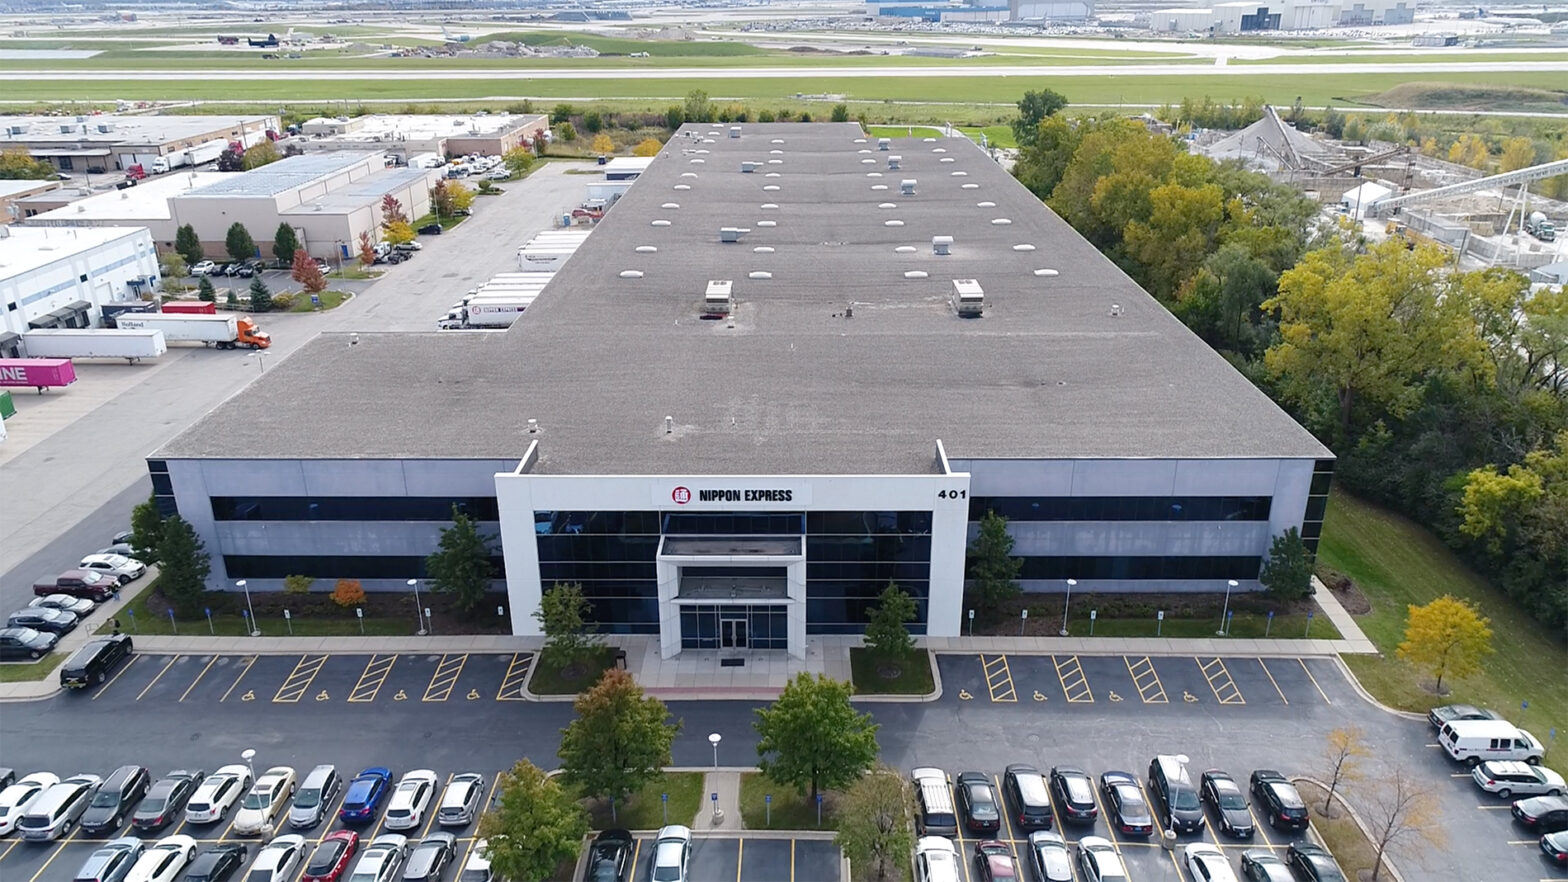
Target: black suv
114, 799
1025, 789
93, 662
1279, 799
1173, 790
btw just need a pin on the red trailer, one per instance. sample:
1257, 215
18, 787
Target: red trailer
40, 373
185, 307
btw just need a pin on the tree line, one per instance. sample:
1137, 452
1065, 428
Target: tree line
1444, 393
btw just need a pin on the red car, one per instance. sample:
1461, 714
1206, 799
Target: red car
331, 857
994, 862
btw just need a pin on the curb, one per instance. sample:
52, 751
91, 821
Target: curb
1369, 698
1360, 825
907, 698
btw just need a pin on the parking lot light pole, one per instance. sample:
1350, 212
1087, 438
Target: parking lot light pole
1071, 584
1229, 587
419, 611
254, 630
248, 755
714, 740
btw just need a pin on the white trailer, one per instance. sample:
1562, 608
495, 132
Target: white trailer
132, 346
223, 331
169, 162
547, 259
207, 151
496, 313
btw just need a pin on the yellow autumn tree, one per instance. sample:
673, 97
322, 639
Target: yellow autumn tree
1517, 153
647, 147
1469, 150
602, 144
1448, 636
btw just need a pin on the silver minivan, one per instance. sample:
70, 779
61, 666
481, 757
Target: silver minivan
57, 810
315, 796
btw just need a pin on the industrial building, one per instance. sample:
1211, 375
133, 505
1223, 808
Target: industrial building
60, 278
108, 143
407, 135
150, 204
791, 365
13, 192
1282, 15
1023, 11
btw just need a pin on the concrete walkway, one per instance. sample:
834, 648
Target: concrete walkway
725, 783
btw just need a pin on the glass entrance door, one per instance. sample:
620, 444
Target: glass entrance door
732, 633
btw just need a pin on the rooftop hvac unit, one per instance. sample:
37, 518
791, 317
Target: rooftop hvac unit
716, 300
732, 234
749, 167
893, 161
907, 186
941, 244
884, 143
66, 129
968, 299
734, 131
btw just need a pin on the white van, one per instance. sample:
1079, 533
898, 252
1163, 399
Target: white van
1477, 741
57, 810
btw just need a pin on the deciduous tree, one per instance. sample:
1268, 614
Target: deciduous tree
1033, 108
1183, 224
602, 144
1518, 153
146, 531
1402, 809
812, 737
873, 825
462, 197
172, 267
460, 565
188, 244
534, 824
1343, 751
348, 593
16, 164
259, 154
285, 243
840, 113
398, 232
238, 243
566, 132
620, 740
518, 160
563, 616
392, 211
1447, 636
992, 568
697, 108
647, 147
307, 272
1469, 150
1287, 574
887, 638
184, 566
367, 249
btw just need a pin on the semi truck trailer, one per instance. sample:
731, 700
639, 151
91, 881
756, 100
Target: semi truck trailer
222, 331
39, 373
131, 345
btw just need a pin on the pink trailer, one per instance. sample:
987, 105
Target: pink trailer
40, 373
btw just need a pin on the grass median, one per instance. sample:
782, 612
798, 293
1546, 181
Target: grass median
646, 810
1396, 563
148, 614
873, 677
29, 671
555, 674
789, 809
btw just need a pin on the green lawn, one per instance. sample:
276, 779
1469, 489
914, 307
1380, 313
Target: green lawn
645, 810
914, 676
329, 300
791, 810
19, 672
137, 618
353, 271
447, 222
1397, 563
1241, 625
1333, 88
553, 677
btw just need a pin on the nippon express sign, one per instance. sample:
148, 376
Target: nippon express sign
712, 494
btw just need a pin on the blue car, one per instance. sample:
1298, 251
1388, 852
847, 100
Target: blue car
365, 794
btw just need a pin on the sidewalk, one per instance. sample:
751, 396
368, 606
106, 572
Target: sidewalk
727, 785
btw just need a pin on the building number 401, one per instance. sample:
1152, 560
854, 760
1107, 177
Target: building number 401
952, 494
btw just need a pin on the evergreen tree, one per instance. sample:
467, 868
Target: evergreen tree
260, 296
184, 567
563, 616
284, 243
1288, 572
188, 244
887, 638
461, 564
238, 243
991, 567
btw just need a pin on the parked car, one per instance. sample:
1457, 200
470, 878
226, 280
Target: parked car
77, 606
316, 793
1448, 713
1050, 857
115, 799
264, 802
163, 860
1260, 865
1129, 813
610, 857
477, 867
1025, 791
460, 801
216, 795
430, 230
1279, 800
1509, 777
277, 859
1073, 790
1543, 814
91, 584
1229, 804
54, 621
111, 861
994, 862
19, 796
410, 800
381, 859
978, 799
166, 800
54, 813
1172, 790
93, 662
1099, 861
1313, 863
18, 643
365, 794
1555, 846
936, 860
217, 863
331, 857
126, 569
429, 858
203, 268
671, 851
1206, 863
121, 548
407, 247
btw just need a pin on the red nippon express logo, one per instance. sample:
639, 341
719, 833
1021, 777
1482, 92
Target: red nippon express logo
681, 495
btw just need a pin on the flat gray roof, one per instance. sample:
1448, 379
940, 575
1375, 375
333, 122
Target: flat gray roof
1080, 364
282, 176
127, 129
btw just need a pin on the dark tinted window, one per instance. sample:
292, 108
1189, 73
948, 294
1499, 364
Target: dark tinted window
352, 508
1123, 567
1122, 508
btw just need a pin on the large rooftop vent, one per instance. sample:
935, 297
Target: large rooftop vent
734, 131
732, 234
968, 298
749, 166
893, 161
907, 186
884, 143
716, 300
941, 244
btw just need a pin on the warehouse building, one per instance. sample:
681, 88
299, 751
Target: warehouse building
108, 143
1282, 15
12, 194
407, 135
791, 366
150, 204
53, 278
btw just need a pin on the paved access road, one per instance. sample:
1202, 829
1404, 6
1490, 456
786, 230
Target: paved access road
457, 712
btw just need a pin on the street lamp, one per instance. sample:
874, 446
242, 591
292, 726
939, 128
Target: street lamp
1071, 584
249, 754
1229, 587
254, 631
714, 740
259, 363
419, 614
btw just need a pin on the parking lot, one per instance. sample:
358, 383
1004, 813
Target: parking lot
749, 859
314, 678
